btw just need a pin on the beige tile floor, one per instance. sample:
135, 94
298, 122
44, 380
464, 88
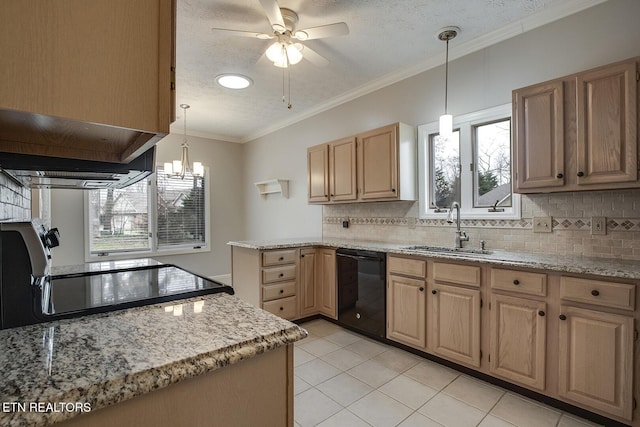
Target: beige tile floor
343, 379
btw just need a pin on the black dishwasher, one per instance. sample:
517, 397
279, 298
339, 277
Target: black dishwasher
362, 291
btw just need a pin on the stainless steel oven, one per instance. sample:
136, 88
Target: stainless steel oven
362, 291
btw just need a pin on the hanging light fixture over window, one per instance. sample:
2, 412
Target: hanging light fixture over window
179, 168
284, 53
446, 120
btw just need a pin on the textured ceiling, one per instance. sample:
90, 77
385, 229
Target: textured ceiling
387, 38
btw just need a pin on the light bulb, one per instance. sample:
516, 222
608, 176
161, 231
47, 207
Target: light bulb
275, 53
168, 168
294, 54
198, 169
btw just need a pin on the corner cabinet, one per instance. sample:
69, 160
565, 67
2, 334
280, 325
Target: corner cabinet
89, 80
377, 165
579, 132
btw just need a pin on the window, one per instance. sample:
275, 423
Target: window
159, 215
472, 167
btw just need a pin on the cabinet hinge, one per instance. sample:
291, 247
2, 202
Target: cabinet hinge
635, 335
173, 78
489, 358
638, 76
481, 303
489, 305
635, 404
480, 354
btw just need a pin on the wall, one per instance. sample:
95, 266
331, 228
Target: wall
597, 36
224, 160
15, 201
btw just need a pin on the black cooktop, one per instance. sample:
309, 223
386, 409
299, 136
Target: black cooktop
79, 294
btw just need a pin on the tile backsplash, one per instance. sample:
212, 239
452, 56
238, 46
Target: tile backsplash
15, 200
398, 222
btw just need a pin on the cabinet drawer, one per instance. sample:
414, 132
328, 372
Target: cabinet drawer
278, 257
407, 266
456, 273
278, 274
278, 290
283, 307
607, 294
519, 281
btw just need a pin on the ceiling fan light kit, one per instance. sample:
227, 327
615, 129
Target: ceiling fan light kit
446, 120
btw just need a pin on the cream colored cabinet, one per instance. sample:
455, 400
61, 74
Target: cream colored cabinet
518, 326
89, 80
518, 340
377, 165
331, 170
454, 314
579, 132
318, 173
596, 345
326, 282
308, 294
407, 301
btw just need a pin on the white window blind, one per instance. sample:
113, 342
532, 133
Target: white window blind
119, 219
180, 210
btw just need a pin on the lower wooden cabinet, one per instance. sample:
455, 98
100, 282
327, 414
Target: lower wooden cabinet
326, 282
455, 323
596, 360
518, 329
406, 310
308, 295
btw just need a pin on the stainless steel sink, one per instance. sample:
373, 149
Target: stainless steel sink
442, 249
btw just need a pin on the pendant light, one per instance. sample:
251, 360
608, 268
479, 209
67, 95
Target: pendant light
179, 168
446, 120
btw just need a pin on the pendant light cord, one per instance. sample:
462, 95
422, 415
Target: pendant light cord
446, 76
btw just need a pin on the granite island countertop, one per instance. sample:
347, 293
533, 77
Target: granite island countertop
104, 359
607, 267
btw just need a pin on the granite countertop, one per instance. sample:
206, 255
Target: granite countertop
101, 266
108, 358
607, 267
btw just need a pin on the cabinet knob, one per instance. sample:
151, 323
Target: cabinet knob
393, 190
282, 291
421, 289
595, 293
560, 175
281, 275
563, 317
281, 259
516, 282
332, 195
580, 173
541, 313
434, 292
281, 308
302, 256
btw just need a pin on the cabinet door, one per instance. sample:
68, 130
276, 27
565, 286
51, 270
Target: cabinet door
318, 173
607, 124
326, 281
342, 169
596, 360
406, 309
455, 323
378, 164
539, 141
308, 298
518, 334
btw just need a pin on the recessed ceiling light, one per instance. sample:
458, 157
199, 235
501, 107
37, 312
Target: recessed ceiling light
234, 81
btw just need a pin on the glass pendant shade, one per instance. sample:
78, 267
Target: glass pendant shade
446, 125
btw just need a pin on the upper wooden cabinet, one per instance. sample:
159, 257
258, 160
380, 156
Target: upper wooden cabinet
378, 165
579, 132
88, 80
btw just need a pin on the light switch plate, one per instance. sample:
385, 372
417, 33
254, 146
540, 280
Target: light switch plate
542, 224
598, 225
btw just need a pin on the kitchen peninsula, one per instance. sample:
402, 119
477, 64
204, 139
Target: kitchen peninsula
186, 362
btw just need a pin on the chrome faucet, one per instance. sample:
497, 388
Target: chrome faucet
461, 236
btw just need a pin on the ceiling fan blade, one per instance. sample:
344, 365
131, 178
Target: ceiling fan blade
274, 15
331, 30
261, 36
314, 57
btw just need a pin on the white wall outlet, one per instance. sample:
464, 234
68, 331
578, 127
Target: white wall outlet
542, 224
598, 225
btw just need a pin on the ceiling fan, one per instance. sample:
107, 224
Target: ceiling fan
286, 50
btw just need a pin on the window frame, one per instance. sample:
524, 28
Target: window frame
465, 124
154, 249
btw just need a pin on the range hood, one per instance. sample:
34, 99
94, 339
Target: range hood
55, 172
